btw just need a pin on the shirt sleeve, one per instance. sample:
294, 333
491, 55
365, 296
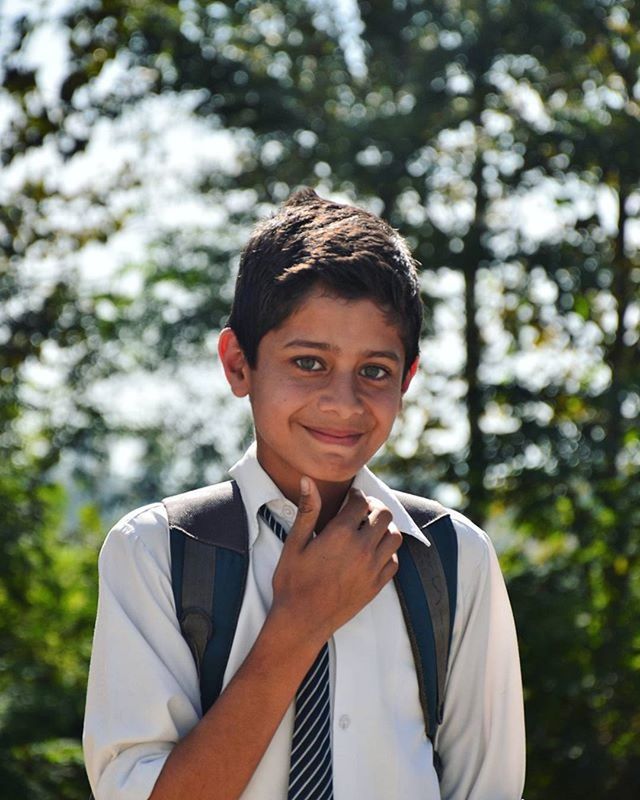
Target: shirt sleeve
481, 740
142, 694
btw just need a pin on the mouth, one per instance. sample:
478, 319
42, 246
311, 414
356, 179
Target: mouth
328, 436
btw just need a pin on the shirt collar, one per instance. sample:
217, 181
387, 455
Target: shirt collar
257, 489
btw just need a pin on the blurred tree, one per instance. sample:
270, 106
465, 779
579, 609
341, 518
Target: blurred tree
589, 486
47, 604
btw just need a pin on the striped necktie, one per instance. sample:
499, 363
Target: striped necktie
310, 772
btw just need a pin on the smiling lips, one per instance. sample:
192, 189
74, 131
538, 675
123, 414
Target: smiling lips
344, 438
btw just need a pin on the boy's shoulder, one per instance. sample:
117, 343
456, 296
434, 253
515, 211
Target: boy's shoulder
145, 531
479, 572
145, 520
475, 550
143, 534
141, 530
473, 542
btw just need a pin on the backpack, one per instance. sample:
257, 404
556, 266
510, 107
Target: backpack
209, 541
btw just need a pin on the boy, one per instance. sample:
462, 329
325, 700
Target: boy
323, 338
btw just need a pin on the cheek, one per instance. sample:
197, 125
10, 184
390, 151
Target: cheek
280, 396
386, 402
391, 412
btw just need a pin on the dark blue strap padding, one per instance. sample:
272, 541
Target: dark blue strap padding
209, 543
229, 586
228, 592
443, 534
420, 630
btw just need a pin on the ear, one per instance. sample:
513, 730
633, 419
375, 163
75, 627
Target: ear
234, 363
409, 376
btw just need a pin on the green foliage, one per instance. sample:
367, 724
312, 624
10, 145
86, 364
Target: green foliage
47, 607
575, 587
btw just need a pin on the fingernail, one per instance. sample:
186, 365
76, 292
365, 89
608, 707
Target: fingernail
305, 486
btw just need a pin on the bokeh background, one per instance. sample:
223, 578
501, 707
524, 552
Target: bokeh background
140, 141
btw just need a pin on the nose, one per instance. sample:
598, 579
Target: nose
341, 396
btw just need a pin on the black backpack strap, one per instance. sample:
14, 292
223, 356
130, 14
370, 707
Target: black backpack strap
426, 582
209, 540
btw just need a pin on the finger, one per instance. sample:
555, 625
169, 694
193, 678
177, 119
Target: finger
388, 571
380, 519
356, 509
309, 505
388, 545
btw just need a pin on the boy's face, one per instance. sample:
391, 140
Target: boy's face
325, 390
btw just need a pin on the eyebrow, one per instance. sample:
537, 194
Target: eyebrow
390, 354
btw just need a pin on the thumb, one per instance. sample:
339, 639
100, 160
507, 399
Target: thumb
309, 506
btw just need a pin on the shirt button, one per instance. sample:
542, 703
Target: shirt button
344, 721
288, 512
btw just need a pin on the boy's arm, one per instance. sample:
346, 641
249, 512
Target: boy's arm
223, 750
481, 739
319, 584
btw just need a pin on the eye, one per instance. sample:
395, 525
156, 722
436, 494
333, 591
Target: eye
308, 363
374, 372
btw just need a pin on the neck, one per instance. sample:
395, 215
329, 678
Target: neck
332, 495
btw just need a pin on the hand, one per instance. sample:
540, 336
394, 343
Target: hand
321, 582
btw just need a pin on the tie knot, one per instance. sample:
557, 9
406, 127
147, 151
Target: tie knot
272, 522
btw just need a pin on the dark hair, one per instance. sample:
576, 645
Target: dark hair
311, 242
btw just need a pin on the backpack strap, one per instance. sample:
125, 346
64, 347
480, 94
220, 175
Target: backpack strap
209, 540
426, 583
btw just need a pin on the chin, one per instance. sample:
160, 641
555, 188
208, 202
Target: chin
335, 473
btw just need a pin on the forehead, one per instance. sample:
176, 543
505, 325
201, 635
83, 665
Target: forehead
322, 315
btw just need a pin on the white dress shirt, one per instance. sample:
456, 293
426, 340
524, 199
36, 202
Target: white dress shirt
143, 693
